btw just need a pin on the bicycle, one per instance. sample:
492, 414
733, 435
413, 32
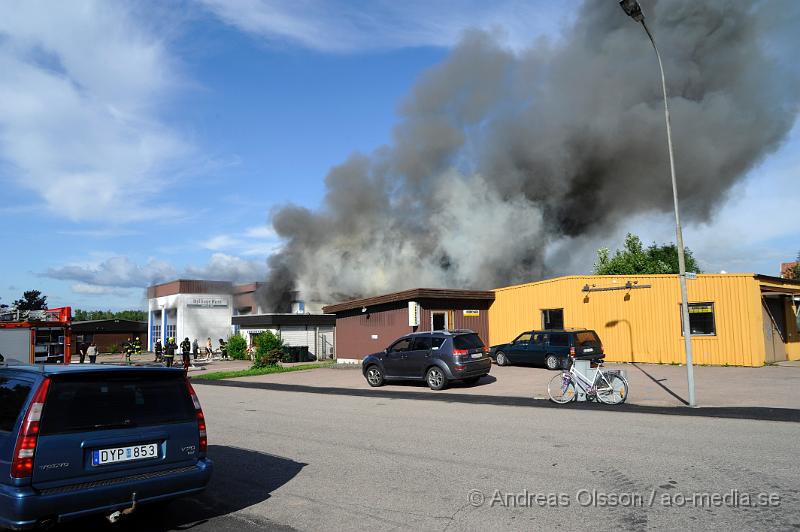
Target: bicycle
606, 387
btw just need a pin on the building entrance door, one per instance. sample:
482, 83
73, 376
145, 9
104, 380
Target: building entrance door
439, 321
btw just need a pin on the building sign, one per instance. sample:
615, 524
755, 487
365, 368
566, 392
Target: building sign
414, 311
700, 309
207, 302
472, 313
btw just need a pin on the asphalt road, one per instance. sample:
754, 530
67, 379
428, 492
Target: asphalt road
310, 461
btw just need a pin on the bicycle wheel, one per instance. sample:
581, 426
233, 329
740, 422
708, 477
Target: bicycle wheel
561, 388
612, 389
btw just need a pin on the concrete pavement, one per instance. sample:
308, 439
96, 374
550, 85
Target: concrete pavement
650, 384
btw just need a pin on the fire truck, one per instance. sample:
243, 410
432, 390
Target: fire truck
36, 336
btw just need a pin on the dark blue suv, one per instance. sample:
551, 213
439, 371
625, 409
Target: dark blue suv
550, 348
88, 439
437, 357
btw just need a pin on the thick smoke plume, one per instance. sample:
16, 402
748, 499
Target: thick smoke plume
500, 154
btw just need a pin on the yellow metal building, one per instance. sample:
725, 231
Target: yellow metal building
736, 319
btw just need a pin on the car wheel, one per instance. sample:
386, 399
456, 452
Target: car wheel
436, 378
471, 381
502, 359
552, 362
374, 376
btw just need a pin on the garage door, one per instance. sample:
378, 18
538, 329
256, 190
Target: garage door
297, 336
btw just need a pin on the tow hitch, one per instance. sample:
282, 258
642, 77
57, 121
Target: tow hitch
115, 516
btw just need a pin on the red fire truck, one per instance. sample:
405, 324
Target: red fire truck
36, 336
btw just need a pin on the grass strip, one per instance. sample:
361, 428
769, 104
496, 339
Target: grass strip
217, 375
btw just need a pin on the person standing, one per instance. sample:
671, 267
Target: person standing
169, 351
82, 352
92, 352
186, 348
195, 349
223, 349
209, 348
137, 346
159, 351
128, 349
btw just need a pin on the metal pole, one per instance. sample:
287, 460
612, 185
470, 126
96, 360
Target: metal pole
687, 334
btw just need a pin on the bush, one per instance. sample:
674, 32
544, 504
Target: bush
269, 350
237, 347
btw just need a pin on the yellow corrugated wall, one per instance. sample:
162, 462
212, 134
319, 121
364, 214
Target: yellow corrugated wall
642, 325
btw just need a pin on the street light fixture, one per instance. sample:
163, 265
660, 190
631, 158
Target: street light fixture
633, 10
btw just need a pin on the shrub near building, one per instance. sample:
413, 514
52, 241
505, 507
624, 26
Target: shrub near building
269, 350
237, 348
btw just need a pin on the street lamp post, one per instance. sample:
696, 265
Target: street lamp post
633, 10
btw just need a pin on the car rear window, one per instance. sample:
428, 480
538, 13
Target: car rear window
96, 402
467, 341
13, 394
587, 337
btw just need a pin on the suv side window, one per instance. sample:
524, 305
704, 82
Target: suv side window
401, 345
559, 340
539, 338
437, 341
422, 343
13, 393
523, 338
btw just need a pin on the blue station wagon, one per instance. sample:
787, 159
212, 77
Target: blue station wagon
91, 439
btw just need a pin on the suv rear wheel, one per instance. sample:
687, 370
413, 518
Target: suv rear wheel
374, 376
436, 378
552, 362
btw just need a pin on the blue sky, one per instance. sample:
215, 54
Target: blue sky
148, 141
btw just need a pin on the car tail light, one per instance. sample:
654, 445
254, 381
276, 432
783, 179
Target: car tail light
22, 460
460, 352
572, 351
201, 419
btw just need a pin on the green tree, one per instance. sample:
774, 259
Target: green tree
635, 259
31, 300
237, 347
86, 315
269, 350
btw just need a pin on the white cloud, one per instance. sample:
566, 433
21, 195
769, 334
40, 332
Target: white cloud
118, 272
346, 26
94, 290
80, 87
261, 240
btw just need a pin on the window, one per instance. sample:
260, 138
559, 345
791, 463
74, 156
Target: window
553, 318
467, 341
587, 337
701, 319
422, 343
13, 394
401, 345
523, 338
539, 338
172, 331
111, 401
156, 333
437, 342
559, 340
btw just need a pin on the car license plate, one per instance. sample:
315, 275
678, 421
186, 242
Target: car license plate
116, 455
588, 350
477, 355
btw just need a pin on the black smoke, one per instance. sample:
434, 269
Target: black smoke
500, 154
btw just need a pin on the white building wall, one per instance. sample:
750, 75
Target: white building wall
197, 315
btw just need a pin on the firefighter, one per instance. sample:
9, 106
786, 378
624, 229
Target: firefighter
186, 348
137, 346
128, 349
159, 351
169, 351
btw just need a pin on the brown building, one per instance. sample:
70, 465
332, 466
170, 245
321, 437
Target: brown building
786, 266
108, 334
364, 326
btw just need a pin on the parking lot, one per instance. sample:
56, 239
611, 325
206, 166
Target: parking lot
650, 384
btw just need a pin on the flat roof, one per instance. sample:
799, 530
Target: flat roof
110, 326
267, 320
411, 295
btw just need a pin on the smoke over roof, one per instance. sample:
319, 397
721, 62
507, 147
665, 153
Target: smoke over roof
499, 154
